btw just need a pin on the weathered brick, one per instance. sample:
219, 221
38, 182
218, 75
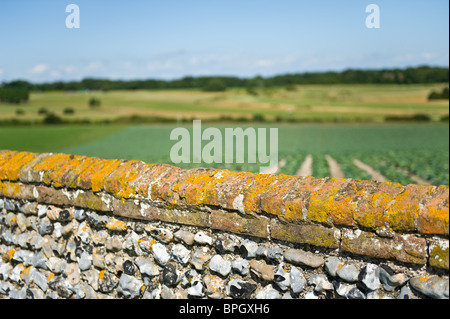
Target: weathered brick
231, 189
257, 185
438, 253
315, 235
90, 200
403, 248
193, 218
9, 189
146, 177
27, 175
164, 181
120, 180
51, 168
94, 175
406, 207
12, 164
434, 219
324, 202
247, 224
49, 195
282, 199
134, 209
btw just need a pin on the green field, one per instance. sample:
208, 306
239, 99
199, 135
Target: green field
308, 102
420, 149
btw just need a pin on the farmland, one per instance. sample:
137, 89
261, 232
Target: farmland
328, 130
399, 152
340, 103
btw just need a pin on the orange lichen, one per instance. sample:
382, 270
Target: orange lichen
16, 163
10, 189
116, 225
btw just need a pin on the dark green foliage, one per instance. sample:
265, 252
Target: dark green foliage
215, 85
94, 102
439, 95
418, 75
52, 119
69, 111
14, 95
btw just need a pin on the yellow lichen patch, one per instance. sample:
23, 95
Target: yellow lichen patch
195, 187
15, 164
50, 167
119, 182
100, 172
424, 278
10, 189
116, 225
293, 210
101, 274
259, 185
50, 276
401, 216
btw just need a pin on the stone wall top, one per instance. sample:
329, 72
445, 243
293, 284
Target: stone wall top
355, 204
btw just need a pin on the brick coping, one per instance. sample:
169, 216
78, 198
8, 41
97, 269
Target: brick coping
386, 220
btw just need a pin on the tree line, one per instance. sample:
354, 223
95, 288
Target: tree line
418, 75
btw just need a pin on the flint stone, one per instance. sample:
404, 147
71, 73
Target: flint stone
241, 266
180, 254
434, 287
274, 254
84, 261
320, 282
268, 292
159, 251
390, 280
249, 248
146, 266
129, 286
185, 236
332, 264
202, 239
407, 293
348, 273
107, 282
282, 278
199, 258
237, 288
297, 279
219, 265
170, 275
370, 277
196, 290
303, 258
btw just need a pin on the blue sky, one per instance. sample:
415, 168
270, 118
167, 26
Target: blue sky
169, 39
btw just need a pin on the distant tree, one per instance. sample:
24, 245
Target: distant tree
52, 119
42, 111
444, 95
69, 111
94, 102
14, 95
215, 85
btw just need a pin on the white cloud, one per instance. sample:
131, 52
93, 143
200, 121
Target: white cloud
1, 71
167, 65
39, 69
94, 66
